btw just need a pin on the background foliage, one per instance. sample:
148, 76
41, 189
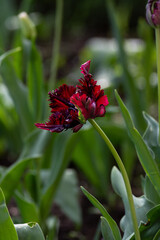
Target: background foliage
41, 172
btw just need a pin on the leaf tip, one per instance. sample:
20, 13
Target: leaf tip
82, 188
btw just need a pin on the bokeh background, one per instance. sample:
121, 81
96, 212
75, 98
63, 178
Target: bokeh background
115, 36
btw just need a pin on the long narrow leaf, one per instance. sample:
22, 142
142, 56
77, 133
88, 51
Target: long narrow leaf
18, 93
11, 177
34, 79
8, 53
145, 157
111, 222
157, 236
62, 150
106, 230
142, 204
129, 83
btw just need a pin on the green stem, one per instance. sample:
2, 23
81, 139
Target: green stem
158, 72
57, 39
124, 174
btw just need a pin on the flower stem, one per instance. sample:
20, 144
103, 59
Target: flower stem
124, 174
57, 39
158, 72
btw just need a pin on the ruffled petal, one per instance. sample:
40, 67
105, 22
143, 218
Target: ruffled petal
85, 67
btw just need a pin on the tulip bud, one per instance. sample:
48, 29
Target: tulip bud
153, 12
27, 26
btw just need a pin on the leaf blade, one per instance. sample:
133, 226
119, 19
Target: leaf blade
29, 231
143, 152
7, 229
106, 231
105, 214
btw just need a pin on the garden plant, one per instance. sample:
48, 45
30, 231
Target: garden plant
87, 132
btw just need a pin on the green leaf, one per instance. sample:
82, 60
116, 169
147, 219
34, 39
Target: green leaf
142, 205
30, 183
53, 227
9, 53
150, 230
61, 154
35, 144
67, 196
129, 82
157, 236
34, 78
33, 149
18, 93
7, 10
151, 133
27, 207
151, 137
29, 231
106, 230
7, 229
11, 177
111, 222
85, 157
145, 157
150, 191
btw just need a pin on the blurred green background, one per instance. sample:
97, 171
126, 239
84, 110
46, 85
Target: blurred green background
120, 44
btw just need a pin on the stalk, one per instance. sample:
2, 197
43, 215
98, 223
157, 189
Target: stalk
124, 174
158, 73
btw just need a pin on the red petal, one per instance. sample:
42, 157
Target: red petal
51, 128
85, 67
102, 101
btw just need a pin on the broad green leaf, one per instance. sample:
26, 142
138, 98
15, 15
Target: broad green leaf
7, 229
109, 219
142, 205
29, 231
150, 230
67, 196
106, 230
145, 157
27, 207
